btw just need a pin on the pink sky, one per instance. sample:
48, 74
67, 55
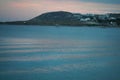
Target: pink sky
26, 9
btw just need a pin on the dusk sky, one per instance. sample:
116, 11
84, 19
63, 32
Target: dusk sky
11, 10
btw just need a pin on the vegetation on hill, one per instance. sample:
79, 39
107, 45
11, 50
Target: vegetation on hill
71, 19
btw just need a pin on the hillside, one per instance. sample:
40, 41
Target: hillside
71, 19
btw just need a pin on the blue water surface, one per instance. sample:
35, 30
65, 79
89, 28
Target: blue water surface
29, 52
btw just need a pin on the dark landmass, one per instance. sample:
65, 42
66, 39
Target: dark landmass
72, 19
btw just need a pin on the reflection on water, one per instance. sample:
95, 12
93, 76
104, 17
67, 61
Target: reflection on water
65, 53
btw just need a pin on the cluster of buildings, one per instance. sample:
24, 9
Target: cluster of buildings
104, 19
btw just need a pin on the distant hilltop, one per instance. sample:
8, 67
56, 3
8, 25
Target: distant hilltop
71, 19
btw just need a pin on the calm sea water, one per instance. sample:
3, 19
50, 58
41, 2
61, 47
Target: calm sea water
59, 53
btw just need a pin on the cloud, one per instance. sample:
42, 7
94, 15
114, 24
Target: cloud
102, 1
68, 5
94, 1
31, 8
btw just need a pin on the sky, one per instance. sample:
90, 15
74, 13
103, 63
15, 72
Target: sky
17, 10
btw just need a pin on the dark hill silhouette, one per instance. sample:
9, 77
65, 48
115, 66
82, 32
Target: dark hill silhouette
71, 19
54, 18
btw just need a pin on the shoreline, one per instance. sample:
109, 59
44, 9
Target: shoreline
99, 26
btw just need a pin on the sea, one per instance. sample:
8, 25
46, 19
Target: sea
33, 52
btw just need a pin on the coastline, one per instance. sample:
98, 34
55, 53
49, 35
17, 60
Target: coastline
99, 26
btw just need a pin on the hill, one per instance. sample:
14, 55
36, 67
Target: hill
71, 19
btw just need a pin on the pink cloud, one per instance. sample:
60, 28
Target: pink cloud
26, 9
52, 5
